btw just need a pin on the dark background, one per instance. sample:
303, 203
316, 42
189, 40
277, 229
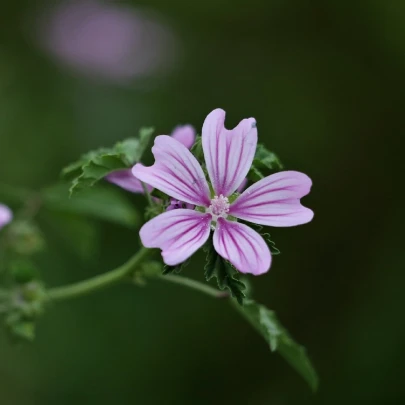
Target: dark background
326, 82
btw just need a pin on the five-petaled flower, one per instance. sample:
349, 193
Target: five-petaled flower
5, 215
272, 201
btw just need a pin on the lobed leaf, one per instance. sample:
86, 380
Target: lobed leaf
267, 324
264, 163
175, 269
95, 165
225, 274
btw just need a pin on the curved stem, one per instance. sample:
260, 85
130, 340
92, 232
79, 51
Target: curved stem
195, 285
99, 282
114, 276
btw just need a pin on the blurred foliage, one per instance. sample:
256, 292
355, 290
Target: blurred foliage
326, 83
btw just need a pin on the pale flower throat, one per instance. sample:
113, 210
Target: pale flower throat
219, 207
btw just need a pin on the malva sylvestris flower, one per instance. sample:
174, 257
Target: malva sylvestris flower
272, 201
5, 215
126, 180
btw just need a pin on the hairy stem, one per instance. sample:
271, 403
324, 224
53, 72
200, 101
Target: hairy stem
195, 285
99, 282
114, 276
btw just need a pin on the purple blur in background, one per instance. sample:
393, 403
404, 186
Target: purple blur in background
109, 41
5, 215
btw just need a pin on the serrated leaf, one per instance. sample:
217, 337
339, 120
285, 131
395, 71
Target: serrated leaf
105, 203
267, 324
225, 274
266, 159
264, 163
265, 235
270, 243
175, 269
95, 165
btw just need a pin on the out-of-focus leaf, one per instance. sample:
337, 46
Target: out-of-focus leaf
225, 274
95, 165
105, 203
78, 233
20, 329
267, 324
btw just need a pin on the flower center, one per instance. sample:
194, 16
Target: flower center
219, 207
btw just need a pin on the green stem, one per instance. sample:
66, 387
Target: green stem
240, 309
147, 193
195, 285
99, 282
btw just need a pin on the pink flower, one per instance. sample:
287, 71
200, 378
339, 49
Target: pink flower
273, 201
5, 215
126, 180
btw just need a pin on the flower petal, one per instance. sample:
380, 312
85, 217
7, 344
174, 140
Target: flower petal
228, 154
184, 134
179, 233
242, 246
176, 172
275, 200
6, 215
242, 185
126, 180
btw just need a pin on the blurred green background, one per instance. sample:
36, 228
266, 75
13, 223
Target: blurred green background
326, 82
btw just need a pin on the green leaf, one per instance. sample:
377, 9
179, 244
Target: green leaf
197, 149
267, 159
255, 174
264, 163
175, 269
271, 244
225, 274
267, 324
159, 194
105, 203
95, 165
